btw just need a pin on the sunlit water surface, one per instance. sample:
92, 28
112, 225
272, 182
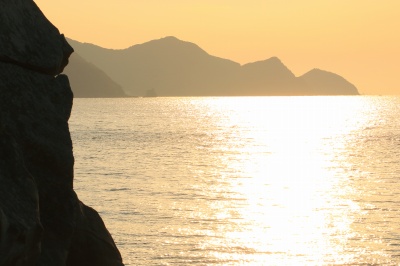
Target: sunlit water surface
243, 180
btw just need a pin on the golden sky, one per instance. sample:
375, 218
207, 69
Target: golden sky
357, 39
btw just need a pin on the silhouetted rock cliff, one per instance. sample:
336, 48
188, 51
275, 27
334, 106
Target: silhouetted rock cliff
178, 68
42, 221
28, 39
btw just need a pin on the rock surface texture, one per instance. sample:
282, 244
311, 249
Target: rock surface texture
42, 221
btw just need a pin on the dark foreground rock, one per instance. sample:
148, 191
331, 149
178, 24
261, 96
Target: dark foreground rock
42, 221
24, 30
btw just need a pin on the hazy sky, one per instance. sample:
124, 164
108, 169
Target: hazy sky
358, 39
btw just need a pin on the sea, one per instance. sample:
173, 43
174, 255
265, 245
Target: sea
243, 180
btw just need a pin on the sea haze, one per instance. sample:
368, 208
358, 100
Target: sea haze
243, 180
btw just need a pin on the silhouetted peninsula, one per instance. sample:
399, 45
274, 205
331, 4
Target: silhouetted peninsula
179, 68
88, 81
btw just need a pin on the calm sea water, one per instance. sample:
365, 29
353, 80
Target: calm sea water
243, 180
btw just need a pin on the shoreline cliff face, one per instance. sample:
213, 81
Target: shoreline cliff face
42, 221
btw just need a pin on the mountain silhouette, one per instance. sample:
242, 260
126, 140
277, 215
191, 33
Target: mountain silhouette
317, 79
173, 67
269, 77
88, 81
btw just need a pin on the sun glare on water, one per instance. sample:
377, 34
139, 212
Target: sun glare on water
243, 180
289, 179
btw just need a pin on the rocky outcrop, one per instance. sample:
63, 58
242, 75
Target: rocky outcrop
42, 221
28, 39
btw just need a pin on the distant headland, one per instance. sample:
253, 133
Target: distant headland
174, 67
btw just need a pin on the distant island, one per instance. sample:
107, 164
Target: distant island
178, 68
